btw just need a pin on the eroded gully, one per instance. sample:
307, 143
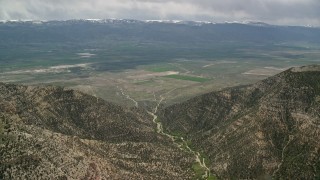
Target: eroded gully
178, 141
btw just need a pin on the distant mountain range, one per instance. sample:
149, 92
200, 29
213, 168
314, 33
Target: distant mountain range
189, 32
270, 129
129, 21
194, 23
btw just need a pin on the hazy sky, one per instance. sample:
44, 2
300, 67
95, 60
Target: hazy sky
286, 12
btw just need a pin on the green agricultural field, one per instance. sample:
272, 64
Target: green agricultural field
188, 78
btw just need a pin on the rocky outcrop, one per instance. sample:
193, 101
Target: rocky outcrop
268, 129
57, 133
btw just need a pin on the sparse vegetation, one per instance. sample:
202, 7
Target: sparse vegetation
1, 131
211, 177
187, 78
143, 82
160, 69
230, 122
78, 124
198, 170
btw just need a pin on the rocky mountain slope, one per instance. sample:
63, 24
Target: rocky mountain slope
268, 129
56, 133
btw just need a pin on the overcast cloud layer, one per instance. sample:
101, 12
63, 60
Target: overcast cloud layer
284, 12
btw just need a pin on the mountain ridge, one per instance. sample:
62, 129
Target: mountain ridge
144, 31
58, 133
254, 131
181, 22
